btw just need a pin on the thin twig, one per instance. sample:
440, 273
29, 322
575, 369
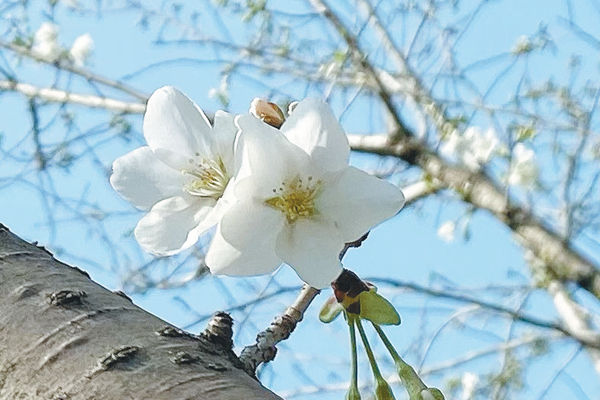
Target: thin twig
64, 65
61, 96
264, 349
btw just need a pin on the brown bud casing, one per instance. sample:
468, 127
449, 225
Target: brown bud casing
270, 113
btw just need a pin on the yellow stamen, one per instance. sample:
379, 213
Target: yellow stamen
296, 199
209, 178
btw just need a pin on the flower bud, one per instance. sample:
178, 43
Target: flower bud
383, 391
353, 393
292, 107
431, 394
330, 311
268, 112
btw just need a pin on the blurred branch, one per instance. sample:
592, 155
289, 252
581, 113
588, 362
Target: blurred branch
574, 319
61, 96
586, 336
360, 58
64, 65
563, 261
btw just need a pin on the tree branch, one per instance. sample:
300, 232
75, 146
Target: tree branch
90, 76
563, 262
575, 321
264, 349
61, 96
63, 336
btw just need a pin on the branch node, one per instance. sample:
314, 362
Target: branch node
219, 330
67, 297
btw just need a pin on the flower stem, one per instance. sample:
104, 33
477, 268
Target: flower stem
372, 361
413, 384
353, 392
383, 391
354, 381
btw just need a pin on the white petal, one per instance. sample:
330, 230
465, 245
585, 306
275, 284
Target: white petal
356, 201
313, 127
175, 128
142, 179
245, 241
312, 248
175, 224
224, 132
267, 158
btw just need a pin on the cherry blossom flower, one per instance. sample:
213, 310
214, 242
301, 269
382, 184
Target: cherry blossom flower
469, 383
45, 43
81, 49
446, 231
473, 148
523, 169
296, 199
181, 176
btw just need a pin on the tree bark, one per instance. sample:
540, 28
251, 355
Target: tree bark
62, 336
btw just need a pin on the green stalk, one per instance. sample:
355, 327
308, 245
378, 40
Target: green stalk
353, 392
382, 389
415, 387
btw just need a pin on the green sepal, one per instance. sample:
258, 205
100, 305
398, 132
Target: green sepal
353, 393
383, 391
431, 394
330, 310
378, 310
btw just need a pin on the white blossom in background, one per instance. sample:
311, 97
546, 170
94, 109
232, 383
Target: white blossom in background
523, 170
45, 42
469, 383
473, 148
81, 49
296, 199
523, 45
71, 3
330, 69
446, 231
181, 176
222, 92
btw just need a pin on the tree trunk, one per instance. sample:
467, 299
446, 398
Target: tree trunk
63, 336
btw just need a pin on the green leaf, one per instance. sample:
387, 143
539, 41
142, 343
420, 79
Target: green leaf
330, 310
378, 310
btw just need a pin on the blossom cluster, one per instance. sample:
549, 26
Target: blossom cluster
45, 45
278, 190
474, 149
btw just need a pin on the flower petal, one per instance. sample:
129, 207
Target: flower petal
267, 158
313, 127
245, 241
312, 248
175, 128
175, 224
224, 132
356, 201
142, 179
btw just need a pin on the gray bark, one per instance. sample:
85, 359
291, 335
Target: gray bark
62, 336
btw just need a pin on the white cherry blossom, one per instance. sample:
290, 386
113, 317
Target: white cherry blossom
523, 169
45, 42
469, 383
296, 199
446, 231
473, 148
81, 49
181, 176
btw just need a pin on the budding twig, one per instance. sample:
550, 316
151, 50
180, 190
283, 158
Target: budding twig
264, 349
